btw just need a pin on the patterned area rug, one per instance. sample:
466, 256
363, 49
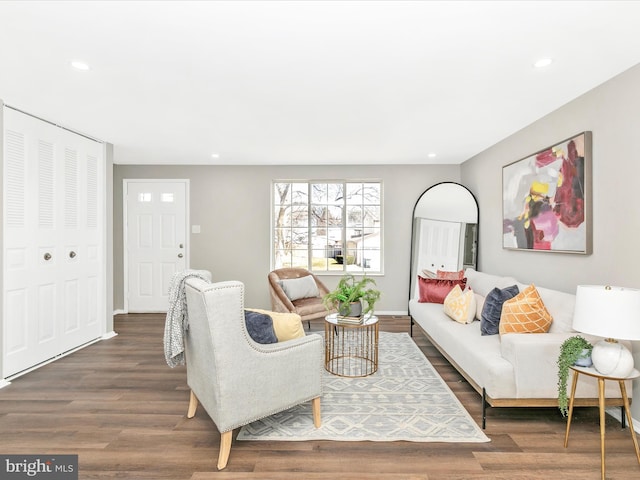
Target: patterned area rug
405, 399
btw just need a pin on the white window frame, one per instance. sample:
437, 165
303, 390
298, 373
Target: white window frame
346, 268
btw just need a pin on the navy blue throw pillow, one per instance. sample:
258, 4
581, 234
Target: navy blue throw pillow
260, 327
492, 309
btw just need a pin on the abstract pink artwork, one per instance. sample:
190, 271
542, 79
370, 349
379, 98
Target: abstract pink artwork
546, 199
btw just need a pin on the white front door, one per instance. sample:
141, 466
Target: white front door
155, 241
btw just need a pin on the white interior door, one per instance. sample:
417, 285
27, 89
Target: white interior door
439, 245
155, 241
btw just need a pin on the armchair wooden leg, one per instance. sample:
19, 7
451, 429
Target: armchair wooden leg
193, 405
225, 449
317, 419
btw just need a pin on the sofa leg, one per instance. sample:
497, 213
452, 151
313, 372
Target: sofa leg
484, 408
411, 326
623, 416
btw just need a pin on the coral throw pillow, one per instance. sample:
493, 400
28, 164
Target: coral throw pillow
435, 290
492, 309
450, 275
525, 313
461, 306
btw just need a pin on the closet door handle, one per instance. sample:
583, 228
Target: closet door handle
47, 256
72, 254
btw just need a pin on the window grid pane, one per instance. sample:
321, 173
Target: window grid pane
327, 226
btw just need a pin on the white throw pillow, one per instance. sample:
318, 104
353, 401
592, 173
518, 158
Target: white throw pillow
303, 287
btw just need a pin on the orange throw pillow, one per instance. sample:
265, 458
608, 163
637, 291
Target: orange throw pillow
525, 313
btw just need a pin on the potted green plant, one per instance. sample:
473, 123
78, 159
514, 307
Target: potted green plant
572, 350
350, 294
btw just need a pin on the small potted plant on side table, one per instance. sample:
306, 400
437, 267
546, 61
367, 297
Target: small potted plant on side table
350, 294
574, 351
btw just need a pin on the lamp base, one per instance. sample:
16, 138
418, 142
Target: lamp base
612, 359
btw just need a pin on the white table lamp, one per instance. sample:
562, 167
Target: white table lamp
613, 313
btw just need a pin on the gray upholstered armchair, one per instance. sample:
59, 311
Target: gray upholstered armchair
309, 308
236, 380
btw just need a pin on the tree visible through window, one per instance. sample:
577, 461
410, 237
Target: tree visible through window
327, 226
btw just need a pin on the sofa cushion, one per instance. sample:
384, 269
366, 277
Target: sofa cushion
260, 327
434, 290
483, 283
460, 306
490, 321
303, 287
525, 313
287, 326
479, 305
478, 356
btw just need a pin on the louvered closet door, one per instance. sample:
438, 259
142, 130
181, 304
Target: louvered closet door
52, 235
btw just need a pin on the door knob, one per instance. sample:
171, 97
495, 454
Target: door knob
47, 256
180, 255
72, 254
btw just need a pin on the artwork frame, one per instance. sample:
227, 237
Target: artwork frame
546, 199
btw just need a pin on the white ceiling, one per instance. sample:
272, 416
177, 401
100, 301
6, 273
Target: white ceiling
364, 82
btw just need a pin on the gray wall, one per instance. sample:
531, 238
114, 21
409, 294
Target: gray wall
232, 206
612, 112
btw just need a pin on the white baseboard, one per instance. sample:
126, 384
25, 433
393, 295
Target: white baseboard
616, 413
4, 383
119, 312
108, 335
403, 313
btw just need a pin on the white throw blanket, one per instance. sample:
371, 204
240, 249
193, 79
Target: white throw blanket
177, 322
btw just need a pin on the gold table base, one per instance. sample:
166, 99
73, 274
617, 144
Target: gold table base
351, 350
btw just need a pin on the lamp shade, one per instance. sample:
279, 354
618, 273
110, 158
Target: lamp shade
610, 312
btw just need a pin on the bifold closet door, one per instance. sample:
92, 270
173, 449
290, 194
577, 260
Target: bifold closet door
53, 235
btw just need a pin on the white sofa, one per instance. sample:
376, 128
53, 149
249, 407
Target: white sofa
512, 369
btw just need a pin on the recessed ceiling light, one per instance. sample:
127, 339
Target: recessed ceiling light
215, 155
543, 62
431, 155
78, 65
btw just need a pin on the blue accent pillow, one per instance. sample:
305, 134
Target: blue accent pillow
492, 309
260, 327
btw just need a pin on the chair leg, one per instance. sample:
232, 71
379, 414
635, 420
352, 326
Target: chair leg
225, 449
193, 405
317, 419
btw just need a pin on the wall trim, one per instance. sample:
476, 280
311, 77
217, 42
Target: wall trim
615, 413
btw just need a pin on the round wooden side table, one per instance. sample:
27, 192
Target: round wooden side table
351, 349
592, 372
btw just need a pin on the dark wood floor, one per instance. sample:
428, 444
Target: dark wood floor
123, 411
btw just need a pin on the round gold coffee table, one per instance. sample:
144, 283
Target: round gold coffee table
351, 349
